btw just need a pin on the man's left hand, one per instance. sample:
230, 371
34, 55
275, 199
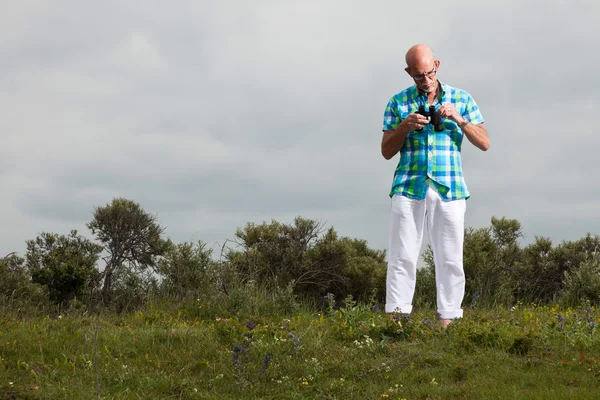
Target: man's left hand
448, 111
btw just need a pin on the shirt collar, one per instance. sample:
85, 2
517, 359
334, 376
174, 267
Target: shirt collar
416, 93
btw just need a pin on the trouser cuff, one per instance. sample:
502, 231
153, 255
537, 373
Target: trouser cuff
398, 308
451, 314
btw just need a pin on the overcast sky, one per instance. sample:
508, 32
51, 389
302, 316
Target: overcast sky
212, 114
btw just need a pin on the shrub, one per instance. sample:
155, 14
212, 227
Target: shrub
277, 255
425, 289
186, 270
582, 283
66, 265
16, 286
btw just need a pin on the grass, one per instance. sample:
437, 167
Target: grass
351, 352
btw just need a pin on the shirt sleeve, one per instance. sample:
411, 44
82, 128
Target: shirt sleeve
391, 117
472, 112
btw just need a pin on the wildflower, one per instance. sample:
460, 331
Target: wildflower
251, 325
265, 365
561, 320
304, 383
385, 395
295, 342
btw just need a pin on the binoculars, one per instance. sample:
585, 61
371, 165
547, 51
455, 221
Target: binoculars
434, 117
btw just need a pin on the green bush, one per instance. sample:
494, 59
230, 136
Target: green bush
16, 288
132, 290
66, 265
186, 270
277, 255
425, 290
583, 283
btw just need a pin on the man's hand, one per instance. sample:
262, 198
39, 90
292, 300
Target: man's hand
449, 112
476, 133
414, 121
393, 139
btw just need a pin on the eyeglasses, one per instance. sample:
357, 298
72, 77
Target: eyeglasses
429, 75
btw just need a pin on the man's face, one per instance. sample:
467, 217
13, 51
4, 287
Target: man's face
425, 75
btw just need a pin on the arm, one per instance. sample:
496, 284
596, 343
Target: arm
393, 139
477, 134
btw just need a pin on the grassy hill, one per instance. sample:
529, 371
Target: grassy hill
350, 352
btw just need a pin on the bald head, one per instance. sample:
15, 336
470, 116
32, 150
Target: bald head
422, 66
419, 54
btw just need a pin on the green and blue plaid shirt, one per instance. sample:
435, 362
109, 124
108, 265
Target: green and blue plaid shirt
429, 155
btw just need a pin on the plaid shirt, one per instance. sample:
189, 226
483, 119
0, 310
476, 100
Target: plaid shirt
430, 156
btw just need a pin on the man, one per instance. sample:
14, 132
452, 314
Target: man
428, 186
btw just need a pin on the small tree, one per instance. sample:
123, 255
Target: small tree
16, 284
131, 237
186, 269
66, 265
278, 255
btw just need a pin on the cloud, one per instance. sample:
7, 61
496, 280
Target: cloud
213, 114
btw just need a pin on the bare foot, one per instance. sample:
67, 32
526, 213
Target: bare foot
445, 322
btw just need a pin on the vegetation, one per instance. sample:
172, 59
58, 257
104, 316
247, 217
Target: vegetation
290, 311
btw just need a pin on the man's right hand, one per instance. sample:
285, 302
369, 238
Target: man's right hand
393, 140
414, 121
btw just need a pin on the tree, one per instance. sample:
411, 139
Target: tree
66, 265
186, 268
131, 237
277, 255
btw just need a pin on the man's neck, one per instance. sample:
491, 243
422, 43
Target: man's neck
433, 95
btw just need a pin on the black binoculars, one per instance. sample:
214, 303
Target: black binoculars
434, 117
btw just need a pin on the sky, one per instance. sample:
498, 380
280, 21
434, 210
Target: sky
213, 114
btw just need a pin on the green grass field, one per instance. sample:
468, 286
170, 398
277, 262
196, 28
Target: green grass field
527, 352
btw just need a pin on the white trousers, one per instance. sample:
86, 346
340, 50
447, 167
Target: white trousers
445, 228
